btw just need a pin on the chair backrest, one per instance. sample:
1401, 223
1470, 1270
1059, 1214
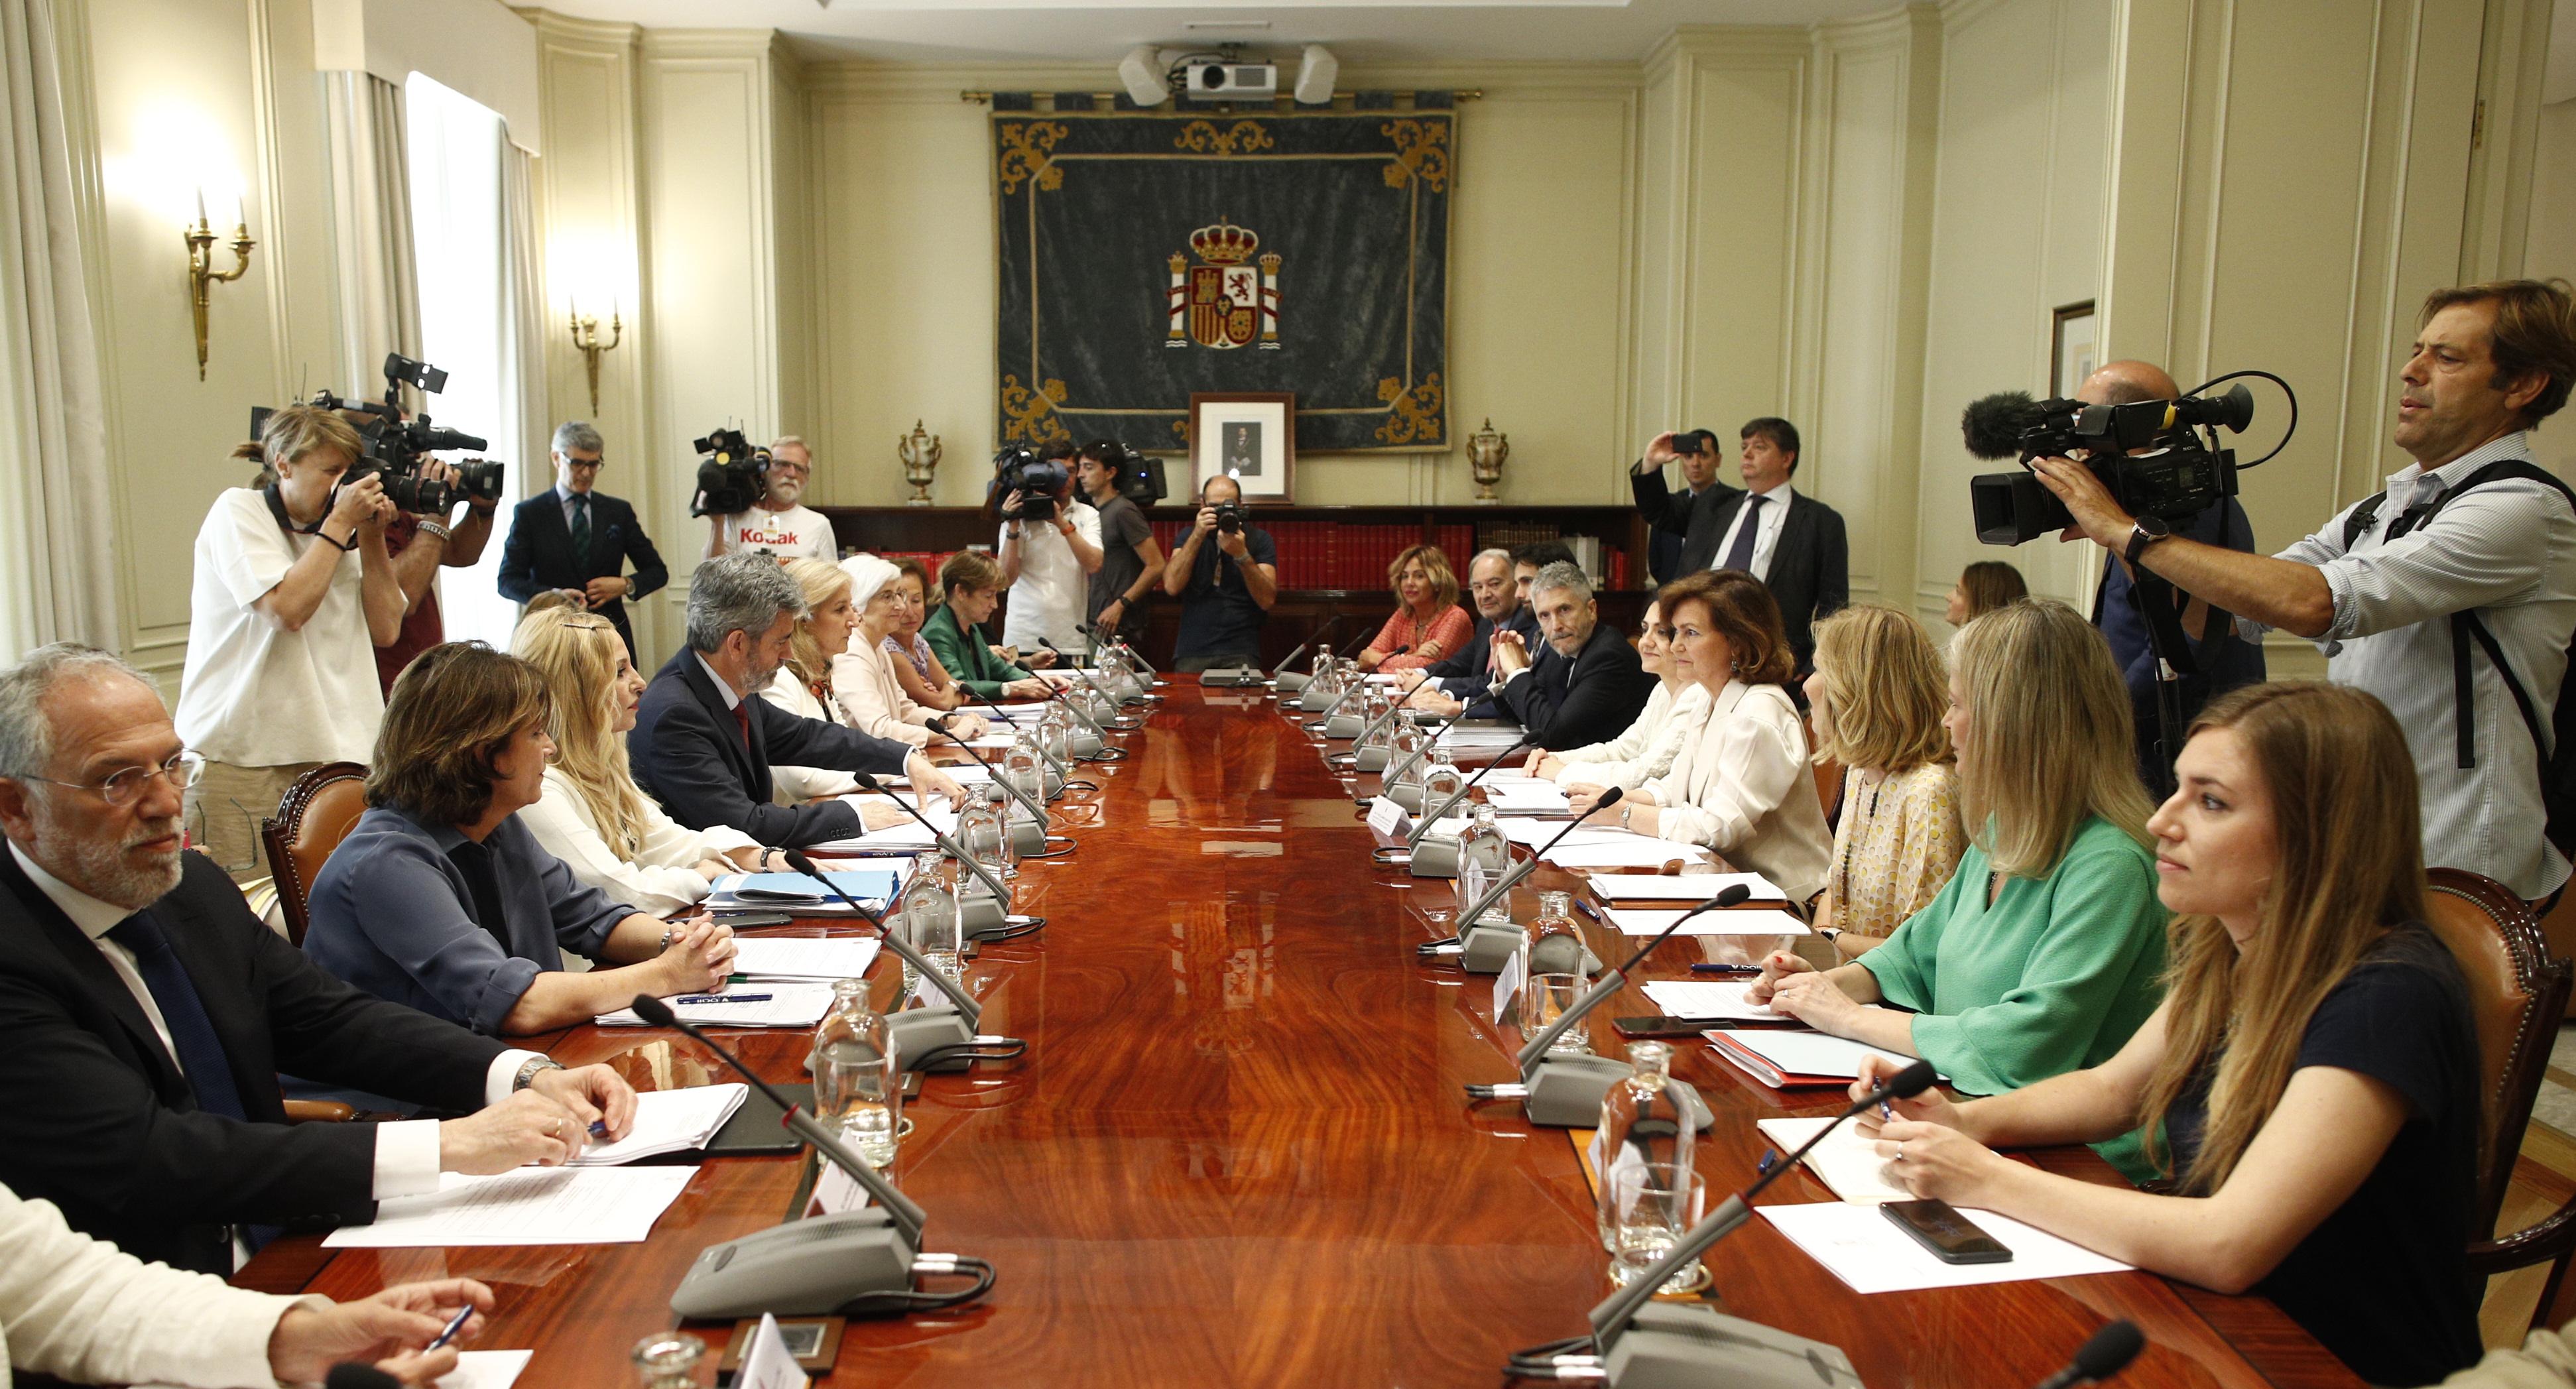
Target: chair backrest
313, 816
2517, 994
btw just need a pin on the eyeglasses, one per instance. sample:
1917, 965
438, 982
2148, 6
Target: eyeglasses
123, 788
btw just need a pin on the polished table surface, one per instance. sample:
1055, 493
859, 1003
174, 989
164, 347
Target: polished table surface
1237, 1151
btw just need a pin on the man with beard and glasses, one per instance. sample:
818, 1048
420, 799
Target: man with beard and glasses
148, 1012
703, 747
779, 523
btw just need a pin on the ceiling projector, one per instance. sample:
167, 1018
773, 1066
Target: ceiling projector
1209, 79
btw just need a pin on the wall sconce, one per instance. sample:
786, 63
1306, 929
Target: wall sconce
202, 275
585, 340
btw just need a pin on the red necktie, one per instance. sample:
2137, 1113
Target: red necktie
742, 719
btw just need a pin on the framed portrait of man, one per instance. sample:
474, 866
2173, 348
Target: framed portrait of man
1249, 436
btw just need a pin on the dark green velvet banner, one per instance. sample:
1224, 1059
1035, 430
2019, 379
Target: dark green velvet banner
1145, 255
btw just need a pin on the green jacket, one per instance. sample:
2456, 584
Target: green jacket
967, 655
2054, 977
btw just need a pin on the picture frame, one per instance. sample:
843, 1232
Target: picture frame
2074, 347
1250, 434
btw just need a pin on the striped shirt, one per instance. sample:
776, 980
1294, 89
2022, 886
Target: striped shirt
2507, 549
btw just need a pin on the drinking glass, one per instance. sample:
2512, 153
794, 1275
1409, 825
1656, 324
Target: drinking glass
668, 1360
1651, 1206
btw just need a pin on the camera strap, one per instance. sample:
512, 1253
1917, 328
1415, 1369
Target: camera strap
277, 508
2161, 604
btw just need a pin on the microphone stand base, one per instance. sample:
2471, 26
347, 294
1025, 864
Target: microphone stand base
1679, 1346
829, 1265
1487, 947
1230, 676
1314, 701
1566, 1091
1435, 857
917, 1032
1289, 683
1344, 726
1369, 760
1028, 838
1408, 796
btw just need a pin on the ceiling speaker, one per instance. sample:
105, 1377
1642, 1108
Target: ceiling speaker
1142, 71
1316, 73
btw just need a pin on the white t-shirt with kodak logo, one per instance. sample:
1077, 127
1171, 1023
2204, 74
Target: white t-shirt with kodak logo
799, 530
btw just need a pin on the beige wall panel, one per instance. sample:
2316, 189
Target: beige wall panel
1662, 207
1848, 449
1743, 240
2549, 248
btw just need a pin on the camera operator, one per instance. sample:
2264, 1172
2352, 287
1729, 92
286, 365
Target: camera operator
779, 523
2394, 589
292, 593
1131, 564
1050, 545
2221, 660
1226, 588
419, 547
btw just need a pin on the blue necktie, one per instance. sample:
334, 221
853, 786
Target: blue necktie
581, 527
192, 1034
1740, 554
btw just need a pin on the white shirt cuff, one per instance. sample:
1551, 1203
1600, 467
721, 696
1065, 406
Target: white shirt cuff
504, 1073
406, 1158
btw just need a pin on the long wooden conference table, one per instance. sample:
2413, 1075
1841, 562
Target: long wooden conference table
1237, 1151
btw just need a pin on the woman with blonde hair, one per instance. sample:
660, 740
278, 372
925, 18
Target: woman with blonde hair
1740, 783
1876, 699
2313, 1066
803, 685
916, 666
1428, 623
863, 678
591, 814
1646, 751
2043, 953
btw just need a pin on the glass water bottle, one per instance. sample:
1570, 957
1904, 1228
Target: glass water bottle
930, 923
1484, 853
1025, 768
984, 832
1646, 1128
858, 1083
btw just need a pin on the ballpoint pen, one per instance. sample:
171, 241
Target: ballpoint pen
1710, 967
453, 1326
722, 998
1587, 909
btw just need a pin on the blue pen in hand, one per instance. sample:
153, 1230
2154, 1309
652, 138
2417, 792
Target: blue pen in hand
453, 1326
722, 998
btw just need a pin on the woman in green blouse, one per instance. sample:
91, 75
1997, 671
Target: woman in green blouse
2046, 949
972, 584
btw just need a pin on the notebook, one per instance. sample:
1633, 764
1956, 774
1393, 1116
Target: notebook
1788, 1060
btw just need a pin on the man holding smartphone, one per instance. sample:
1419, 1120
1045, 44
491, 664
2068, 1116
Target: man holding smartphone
1668, 520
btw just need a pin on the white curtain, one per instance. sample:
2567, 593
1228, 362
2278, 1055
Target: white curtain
525, 326
57, 565
379, 286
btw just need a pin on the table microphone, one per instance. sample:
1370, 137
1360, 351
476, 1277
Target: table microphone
1001, 924
1021, 831
1395, 771
1348, 722
1566, 1091
2108, 1353
837, 1264
1641, 1344
1291, 684
1091, 731
936, 1036
1430, 866
1482, 949
1367, 731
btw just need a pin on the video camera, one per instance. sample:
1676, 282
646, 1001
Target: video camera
1037, 480
733, 476
396, 448
2184, 473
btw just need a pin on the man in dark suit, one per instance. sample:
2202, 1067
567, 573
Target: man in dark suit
1586, 685
577, 540
704, 739
1459, 680
1793, 543
148, 1012
1668, 525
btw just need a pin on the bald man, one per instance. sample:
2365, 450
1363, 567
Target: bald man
2222, 659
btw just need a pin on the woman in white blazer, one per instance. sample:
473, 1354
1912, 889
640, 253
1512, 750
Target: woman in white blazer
81, 1309
1646, 751
863, 677
803, 686
591, 814
1741, 783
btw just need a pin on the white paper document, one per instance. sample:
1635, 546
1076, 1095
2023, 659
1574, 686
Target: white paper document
788, 1004
486, 1369
1845, 1161
1709, 998
1861, 1246
1527, 798
766, 958
1693, 888
670, 1121
531, 1205
1733, 921
1809, 1053
1582, 849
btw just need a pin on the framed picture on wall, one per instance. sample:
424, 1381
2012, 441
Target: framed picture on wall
1249, 435
2072, 350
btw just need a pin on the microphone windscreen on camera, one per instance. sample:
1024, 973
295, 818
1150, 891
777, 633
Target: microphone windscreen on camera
2110, 1350
1913, 1081
1993, 424
653, 1010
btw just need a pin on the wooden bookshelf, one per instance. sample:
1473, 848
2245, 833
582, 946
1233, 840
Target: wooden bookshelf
941, 530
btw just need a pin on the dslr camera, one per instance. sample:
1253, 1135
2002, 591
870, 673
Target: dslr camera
1229, 517
396, 449
1037, 480
2181, 472
731, 476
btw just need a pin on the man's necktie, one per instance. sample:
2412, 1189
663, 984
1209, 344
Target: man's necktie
581, 527
1740, 554
199, 1052
742, 720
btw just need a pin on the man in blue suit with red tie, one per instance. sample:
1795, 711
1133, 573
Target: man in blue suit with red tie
576, 540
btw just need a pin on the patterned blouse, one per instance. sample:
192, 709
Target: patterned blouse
918, 654
1896, 846
1452, 628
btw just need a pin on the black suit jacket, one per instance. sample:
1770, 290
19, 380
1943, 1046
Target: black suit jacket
1463, 676
687, 752
538, 555
96, 1118
1589, 699
1810, 567
1668, 519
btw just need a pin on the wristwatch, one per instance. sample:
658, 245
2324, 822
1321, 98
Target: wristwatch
537, 1065
2143, 532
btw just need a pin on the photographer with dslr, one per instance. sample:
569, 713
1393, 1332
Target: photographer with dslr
1225, 588
293, 591
778, 523
2449, 596
1131, 564
1050, 546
